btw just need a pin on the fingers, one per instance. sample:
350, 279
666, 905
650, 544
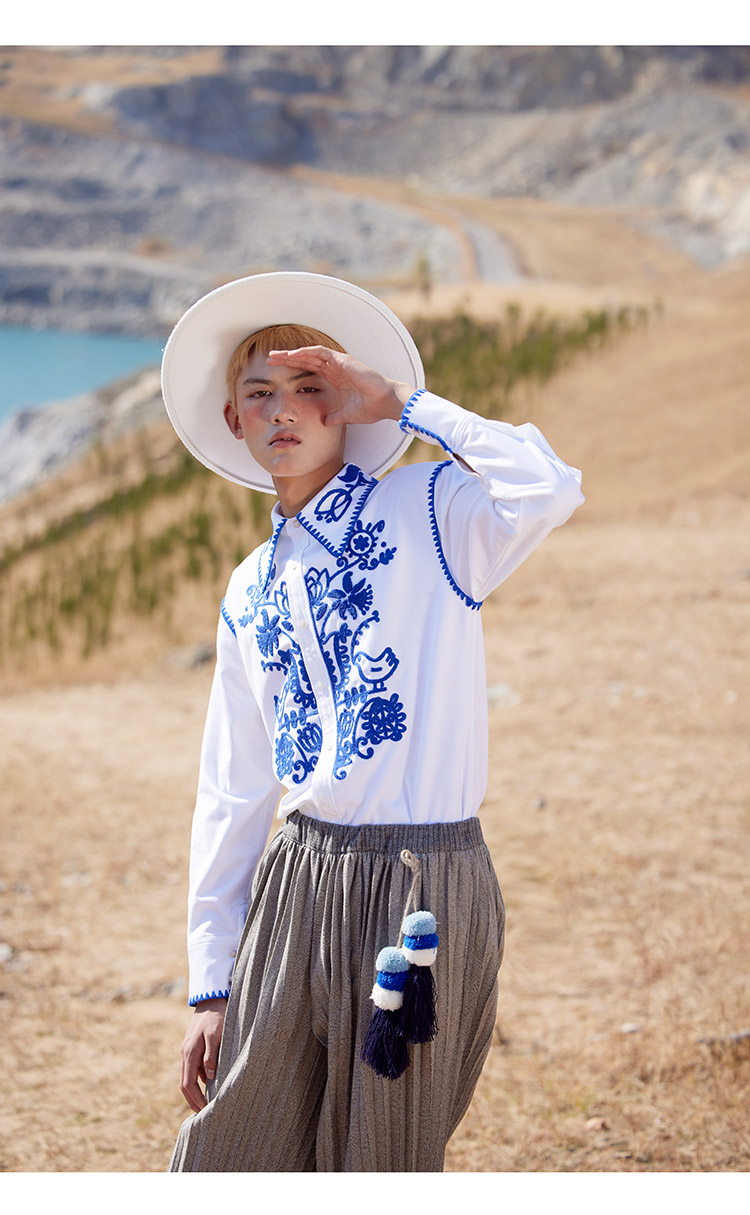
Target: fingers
200, 1056
305, 356
211, 1059
192, 1071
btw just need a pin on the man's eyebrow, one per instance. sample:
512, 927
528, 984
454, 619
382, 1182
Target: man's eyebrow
300, 375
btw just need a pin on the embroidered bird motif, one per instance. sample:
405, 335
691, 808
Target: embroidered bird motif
376, 670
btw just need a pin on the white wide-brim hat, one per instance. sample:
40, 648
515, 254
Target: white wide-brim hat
202, 342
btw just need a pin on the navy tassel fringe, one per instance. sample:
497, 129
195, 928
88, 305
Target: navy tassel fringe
384, 1047
418, 1019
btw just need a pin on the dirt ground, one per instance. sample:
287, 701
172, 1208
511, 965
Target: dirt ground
617, 814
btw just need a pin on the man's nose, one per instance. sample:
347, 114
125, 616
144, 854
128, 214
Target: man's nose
285, 407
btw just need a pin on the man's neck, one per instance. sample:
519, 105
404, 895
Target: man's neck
295, 492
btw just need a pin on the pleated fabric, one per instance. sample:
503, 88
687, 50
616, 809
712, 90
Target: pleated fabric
291, 1093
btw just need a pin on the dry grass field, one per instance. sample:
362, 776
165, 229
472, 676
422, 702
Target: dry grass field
617, 810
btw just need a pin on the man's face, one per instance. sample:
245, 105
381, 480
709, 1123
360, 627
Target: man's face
279, 412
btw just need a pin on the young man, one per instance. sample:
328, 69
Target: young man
350, 685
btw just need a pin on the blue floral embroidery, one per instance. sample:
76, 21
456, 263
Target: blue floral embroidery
341, 608
284, 755
297, 747
352, 599
267, 634
384, 719
311, 737
363, 719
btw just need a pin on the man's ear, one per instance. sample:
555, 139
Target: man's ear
232, 419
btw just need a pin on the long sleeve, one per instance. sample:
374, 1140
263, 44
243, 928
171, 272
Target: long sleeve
237, 796
498, 500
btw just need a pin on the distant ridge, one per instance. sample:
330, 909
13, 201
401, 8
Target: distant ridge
133, 179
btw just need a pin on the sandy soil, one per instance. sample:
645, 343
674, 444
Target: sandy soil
617, 814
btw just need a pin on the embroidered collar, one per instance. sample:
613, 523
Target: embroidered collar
268, 551
332, 515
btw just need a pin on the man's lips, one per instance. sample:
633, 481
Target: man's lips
284, 440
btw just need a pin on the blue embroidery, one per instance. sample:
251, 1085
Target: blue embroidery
404, 419
227, 617
255, 595
352, 599
214, 995
472, 603
364, 719
341, 603
267, 634
353, 491
406, 423
339, 500
266, 567
295, 753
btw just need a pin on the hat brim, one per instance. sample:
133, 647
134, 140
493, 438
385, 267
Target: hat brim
202, 342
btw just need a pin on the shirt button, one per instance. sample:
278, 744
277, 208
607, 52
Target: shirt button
233, 953
296, 522
320, 685
292, 565
303, 624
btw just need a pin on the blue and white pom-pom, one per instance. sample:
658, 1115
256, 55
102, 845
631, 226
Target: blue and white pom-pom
418, 1019
420, 938
385, 1048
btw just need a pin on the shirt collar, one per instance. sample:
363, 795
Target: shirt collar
330, 516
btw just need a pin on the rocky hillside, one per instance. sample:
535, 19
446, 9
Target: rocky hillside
132, 179
113, 545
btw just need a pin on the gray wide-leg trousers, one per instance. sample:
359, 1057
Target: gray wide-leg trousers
291, 1093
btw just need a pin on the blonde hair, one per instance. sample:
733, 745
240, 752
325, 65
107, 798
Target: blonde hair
274, 337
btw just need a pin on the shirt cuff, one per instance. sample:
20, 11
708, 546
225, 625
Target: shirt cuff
435, 419
211, 965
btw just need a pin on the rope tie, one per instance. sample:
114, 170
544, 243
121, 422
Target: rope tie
404, 991
412, 862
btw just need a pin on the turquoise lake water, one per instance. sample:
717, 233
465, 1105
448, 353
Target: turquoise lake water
38, 366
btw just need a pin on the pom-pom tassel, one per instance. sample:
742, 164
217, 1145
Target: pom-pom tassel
418, 1016
385, 1049
418, 1019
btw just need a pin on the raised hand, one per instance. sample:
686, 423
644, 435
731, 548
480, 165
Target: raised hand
365, 395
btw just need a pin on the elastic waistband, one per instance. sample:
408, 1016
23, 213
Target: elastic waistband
383, 838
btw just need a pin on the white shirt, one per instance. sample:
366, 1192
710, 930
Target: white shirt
350, 676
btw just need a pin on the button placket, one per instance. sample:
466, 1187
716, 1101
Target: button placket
317, 671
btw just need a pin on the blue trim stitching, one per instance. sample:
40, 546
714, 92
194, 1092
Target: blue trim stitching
472, 603
269, 551
215, 995
227, 617
407, 424
335, 552
404, 419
